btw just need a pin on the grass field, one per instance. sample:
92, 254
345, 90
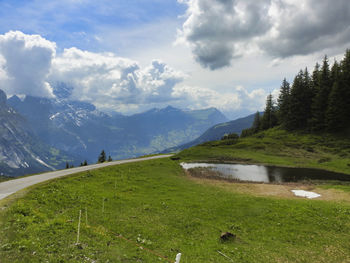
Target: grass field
278, 147
155, 205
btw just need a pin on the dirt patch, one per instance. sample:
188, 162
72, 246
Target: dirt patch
271, 190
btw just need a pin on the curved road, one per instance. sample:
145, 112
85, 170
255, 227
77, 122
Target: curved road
9, 187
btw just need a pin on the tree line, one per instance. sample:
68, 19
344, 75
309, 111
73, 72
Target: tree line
101, 159
315, 102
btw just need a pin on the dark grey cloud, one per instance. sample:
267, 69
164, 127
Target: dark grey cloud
220, 30
308, 27
214, 54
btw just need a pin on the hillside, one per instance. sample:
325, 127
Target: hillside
20, 151
217, 132
278, 147
156, 206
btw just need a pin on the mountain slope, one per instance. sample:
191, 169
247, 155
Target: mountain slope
21, 152
217, 131
80, 129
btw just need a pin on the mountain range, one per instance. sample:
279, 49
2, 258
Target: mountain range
216, 132
59, 125
40, 134
82, 130
21, 152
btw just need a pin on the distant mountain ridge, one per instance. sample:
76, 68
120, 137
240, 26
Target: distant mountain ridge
82, 130
217, 132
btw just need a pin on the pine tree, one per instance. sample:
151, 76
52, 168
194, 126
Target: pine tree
300, 101
109, 158
308, 97
67, 165
102, 157
283, 103
269, 119
320, 101
257, 122
85, 163
315, 79
337, 115
344, 82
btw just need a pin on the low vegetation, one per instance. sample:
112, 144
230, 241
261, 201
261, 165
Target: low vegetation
155, 205
5, 178
278, 147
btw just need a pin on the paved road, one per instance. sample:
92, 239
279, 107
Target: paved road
9, 187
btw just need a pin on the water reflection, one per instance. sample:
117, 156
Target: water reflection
267, 174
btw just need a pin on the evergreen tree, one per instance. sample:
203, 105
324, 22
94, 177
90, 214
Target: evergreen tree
269, 119
85, 163
102, 157
320, 101
344, 82
315, 87
307, 97
257, 122
67, 165
247, 132
315, 79
283, 103
300, 101
336, 115
109, 158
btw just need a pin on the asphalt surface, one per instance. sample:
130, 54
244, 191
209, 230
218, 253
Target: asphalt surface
9, 187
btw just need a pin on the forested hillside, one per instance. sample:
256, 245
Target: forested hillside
316, 102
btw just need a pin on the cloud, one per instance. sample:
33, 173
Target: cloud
121, 84
31, 67
220, 30
304, 27
109, 81
26, 63
239, 98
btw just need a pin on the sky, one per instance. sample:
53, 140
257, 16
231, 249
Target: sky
132, 55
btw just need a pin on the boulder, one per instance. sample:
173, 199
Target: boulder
227, 236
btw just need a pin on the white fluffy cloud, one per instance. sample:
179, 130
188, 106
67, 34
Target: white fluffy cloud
111, 81
30, 63
26, 63
238, 99
220, 30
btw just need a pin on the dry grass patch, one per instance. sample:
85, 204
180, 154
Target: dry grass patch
273, 190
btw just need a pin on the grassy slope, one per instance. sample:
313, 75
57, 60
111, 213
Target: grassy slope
278, 147
155, 205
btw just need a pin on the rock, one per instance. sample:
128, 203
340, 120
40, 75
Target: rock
227, 236
3, 99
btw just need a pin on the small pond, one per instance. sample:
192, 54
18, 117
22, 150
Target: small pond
265, 174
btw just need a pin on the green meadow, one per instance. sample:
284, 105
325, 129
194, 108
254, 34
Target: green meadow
156, 206
278, 147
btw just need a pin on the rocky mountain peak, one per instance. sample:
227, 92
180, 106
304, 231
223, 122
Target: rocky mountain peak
3, 99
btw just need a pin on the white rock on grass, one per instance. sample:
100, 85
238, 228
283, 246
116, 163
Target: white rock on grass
306, 194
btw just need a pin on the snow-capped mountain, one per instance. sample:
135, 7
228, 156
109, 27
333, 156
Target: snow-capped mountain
20, 151
80, 129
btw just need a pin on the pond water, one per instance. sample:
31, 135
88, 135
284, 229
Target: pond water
267, 174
